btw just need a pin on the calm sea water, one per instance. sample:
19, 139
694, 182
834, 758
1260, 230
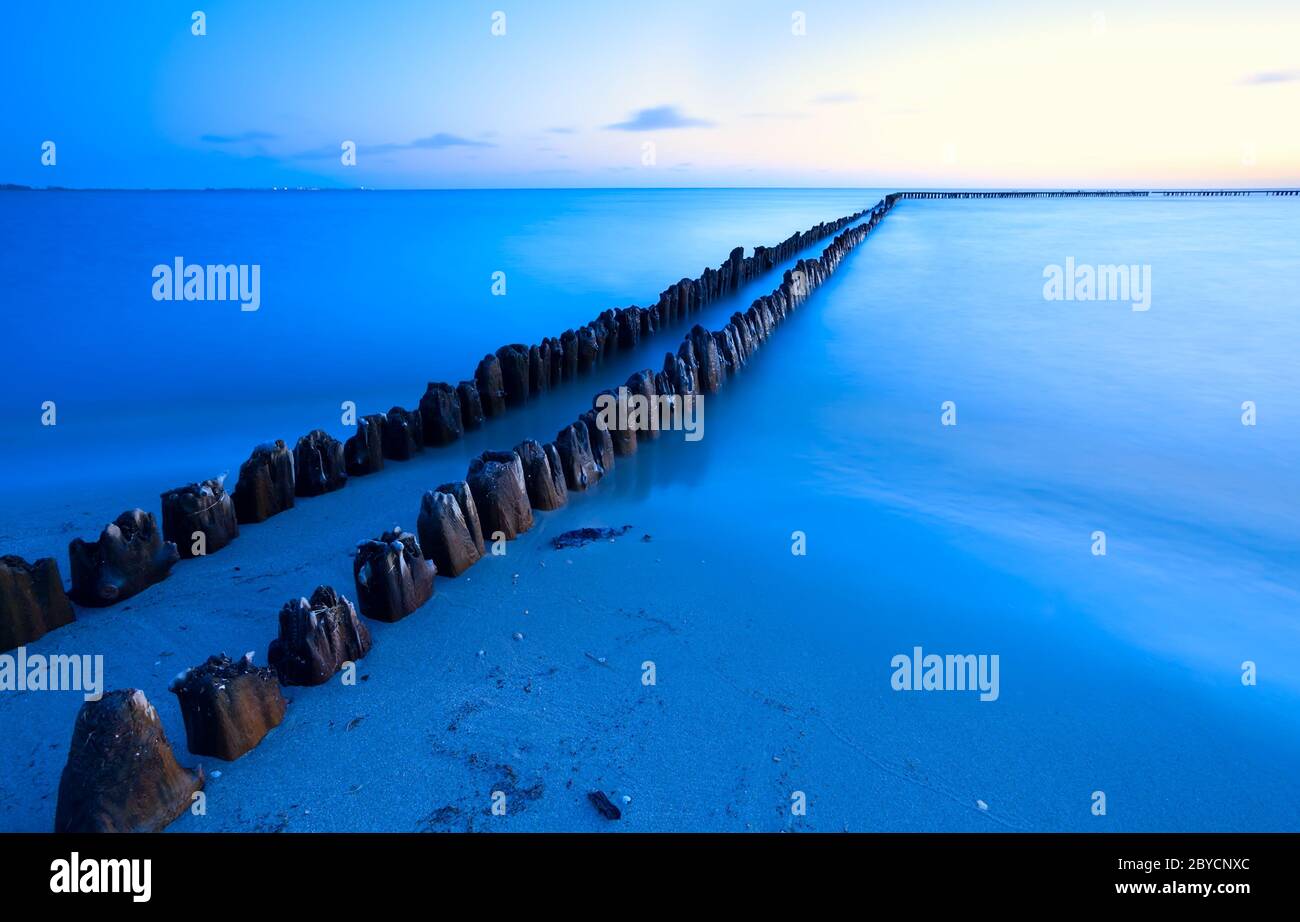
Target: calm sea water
365, 296
1119, 674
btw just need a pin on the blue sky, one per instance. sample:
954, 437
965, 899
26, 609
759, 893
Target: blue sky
802, 93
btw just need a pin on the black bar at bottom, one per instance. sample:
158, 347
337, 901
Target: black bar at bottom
201, 872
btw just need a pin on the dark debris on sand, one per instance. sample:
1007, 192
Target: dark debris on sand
604, 805
580, 536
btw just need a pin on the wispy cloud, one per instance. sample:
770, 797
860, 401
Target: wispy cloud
439, 141
1271, 76
560, 129
238, 138
659, 118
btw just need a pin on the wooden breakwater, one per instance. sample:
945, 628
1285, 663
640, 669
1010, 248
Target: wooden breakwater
503, 489
133, 553
1095, 193
136, 784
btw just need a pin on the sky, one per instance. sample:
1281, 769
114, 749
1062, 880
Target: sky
549, 93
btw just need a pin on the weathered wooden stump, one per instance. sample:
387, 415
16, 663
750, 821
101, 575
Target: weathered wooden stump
228, 705
129, 556
121, 774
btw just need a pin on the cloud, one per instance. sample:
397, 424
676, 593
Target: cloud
1271, 76
561, 129
438, 141
834, 99
238, 138
658, 118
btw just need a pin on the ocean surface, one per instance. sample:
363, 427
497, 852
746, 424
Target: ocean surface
365, 296
1119, 674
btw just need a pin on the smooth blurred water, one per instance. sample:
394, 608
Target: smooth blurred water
1083, 416
1120, 673
1073, 416
365, 296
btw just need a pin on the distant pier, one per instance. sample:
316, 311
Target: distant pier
1096, 193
